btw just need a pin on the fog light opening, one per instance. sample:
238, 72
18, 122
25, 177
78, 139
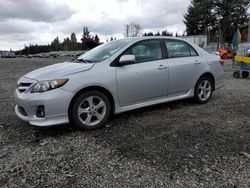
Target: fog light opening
40, 112
22, 111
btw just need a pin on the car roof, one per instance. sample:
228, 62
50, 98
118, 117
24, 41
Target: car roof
137, 39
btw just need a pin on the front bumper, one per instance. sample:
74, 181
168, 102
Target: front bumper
55, 103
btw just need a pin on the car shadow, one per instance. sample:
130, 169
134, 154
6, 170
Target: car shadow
40, 133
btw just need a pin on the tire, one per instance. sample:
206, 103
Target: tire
236, 74
90, 110
245, 74
203, 90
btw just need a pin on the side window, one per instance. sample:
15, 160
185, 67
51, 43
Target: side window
145, 51
179, 49
193, 52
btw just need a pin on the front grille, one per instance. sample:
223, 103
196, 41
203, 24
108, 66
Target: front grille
23, 86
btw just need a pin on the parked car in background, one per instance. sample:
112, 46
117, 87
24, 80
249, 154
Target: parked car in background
43, 55
116, 77
7, 54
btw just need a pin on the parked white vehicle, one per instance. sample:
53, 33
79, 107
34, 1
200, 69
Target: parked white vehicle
116, 77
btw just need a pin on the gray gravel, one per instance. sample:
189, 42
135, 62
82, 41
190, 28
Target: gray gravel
178, 144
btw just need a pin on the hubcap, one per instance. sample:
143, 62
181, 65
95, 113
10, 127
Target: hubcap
204, 90
91, 110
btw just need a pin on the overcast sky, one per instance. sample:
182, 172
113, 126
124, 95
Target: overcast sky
24, 22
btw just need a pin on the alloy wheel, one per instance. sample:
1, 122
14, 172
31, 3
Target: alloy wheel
204, 90
92, 110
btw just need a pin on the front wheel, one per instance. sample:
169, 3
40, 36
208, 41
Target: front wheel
203, 90
236, 74
90, 110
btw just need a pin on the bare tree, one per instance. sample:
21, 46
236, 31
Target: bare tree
132, 30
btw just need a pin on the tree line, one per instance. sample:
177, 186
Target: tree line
163, 33
218, 19
88, 41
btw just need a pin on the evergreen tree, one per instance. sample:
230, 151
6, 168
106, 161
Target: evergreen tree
231, 14
66, 44
150, 34
55, 45
73, 42
86, 34
210, 16
85, 37
96, 39
157, 34
166, 33
200, 17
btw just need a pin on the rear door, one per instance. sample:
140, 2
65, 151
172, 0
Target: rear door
147, 78
185, 66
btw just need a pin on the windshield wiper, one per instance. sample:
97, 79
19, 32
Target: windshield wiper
83, 60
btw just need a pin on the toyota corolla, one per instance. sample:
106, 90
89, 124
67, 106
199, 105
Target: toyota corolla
116, 77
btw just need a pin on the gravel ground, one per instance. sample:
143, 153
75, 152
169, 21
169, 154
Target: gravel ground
178, 144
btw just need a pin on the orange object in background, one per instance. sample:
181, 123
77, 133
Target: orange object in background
224, 54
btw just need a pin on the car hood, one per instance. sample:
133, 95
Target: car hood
58, 70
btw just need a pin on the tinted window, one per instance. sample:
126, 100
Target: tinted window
146, 51
179, 49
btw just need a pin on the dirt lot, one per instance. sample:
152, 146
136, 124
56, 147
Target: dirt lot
179, 144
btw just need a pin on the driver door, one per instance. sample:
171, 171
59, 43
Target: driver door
147, 78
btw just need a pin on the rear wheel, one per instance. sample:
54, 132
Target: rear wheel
203, 90
245, 74
90, 110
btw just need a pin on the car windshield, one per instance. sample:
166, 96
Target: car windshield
103, 52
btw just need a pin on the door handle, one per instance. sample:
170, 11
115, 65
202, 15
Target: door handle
162, 67
197, 62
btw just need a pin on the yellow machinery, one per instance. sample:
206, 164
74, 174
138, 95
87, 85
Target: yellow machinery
241, 63
242, 59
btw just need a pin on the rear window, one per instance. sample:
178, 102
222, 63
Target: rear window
177, 49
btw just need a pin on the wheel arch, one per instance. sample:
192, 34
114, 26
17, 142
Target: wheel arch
96, 88
209, 75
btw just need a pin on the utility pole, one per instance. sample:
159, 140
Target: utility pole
126, 31
248, 39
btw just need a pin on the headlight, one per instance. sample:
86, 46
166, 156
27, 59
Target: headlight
43, 86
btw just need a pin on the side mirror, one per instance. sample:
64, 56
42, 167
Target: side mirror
127, 59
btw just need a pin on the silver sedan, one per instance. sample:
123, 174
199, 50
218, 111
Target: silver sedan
116, 77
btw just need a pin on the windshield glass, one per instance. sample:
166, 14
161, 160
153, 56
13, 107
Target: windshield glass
104, 51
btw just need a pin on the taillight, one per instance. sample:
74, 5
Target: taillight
221, 62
